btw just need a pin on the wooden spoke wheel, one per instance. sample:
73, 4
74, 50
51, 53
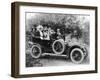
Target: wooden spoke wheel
58, 46
36, 51
77, 55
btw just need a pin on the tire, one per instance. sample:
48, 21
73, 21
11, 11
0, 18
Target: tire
77, 55
36, 51
58, 46
86, 53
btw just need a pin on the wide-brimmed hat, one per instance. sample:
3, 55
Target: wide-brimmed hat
39, 27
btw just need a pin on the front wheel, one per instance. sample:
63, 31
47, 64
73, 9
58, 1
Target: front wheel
77, 55
36, 51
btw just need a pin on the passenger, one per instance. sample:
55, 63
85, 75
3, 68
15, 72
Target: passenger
46, 34
40, 31
33, 30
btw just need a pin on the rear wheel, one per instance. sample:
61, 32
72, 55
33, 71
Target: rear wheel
58, 46
77, 55
36, 51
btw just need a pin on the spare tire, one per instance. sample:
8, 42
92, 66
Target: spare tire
58, 46
36, 51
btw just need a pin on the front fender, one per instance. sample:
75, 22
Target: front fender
81, 46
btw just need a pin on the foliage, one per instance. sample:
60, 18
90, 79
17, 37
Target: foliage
67, 23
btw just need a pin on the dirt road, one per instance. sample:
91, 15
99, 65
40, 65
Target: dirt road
51, 60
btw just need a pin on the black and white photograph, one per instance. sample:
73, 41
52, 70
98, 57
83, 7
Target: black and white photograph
54, 39
51, 39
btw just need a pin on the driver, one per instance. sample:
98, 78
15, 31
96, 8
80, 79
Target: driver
58, 34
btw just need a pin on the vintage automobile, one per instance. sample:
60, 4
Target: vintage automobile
74, 50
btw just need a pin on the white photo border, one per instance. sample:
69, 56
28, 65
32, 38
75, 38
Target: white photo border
39, 70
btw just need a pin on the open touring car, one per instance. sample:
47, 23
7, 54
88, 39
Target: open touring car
74, 50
